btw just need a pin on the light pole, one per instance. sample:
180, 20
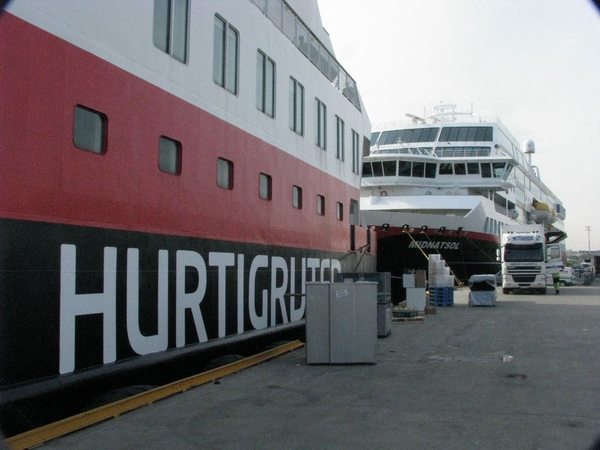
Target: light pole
588, 229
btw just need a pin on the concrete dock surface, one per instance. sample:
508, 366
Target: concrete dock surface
524, 374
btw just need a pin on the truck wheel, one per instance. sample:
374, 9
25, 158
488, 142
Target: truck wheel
543, 291
505, 291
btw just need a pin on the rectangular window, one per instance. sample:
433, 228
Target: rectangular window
340, 127
339, 211
265, 84
418, 169
450, 134
320, 124
430, 169
224, 173
296, 107
486, 170
472, 168
355, 151
377, 169
389, 168
498, 169
89, 130
226, 55
404, 168
169, 155
446, 169
297, 197
265, 186
320, 205
170, 27
459, 169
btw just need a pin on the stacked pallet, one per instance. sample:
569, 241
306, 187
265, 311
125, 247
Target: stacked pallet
441, 296
441, 283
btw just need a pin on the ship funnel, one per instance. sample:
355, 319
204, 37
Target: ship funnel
529, 149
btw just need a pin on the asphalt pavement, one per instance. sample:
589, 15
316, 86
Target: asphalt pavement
521, 375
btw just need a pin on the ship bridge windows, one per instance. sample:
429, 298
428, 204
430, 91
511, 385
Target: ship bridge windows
379, 169
455, 168
408, 135
446, 169
404, 168
486, 170
460, 169
389, 168
454, 134
430, 170
498, 169
454, 152
400, 168
374, 137
418, 169
473, 168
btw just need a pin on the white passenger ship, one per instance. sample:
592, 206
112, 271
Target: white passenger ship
446, 184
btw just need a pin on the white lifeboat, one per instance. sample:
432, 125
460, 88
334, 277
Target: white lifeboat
543, 213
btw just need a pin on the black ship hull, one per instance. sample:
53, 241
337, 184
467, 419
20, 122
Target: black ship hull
465, 253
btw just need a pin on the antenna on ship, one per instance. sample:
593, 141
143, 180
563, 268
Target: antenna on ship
529, 149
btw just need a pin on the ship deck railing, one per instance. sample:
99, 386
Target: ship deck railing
284, 18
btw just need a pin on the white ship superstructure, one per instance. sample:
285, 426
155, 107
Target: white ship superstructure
447, 183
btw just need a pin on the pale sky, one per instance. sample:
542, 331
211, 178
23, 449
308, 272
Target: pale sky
535, 64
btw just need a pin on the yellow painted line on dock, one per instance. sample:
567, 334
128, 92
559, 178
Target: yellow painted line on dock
51, 431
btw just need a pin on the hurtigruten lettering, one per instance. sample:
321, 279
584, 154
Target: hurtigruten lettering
434, 245
261, 302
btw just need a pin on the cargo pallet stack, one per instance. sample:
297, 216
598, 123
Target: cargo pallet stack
441, 283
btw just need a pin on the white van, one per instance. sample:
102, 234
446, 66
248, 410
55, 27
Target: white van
567, 275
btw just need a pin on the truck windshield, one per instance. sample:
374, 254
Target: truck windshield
516, 253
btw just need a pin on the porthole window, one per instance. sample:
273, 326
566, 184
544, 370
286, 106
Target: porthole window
169, 155
320, 205
297, 197
89, 130
224, 173
265, 186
